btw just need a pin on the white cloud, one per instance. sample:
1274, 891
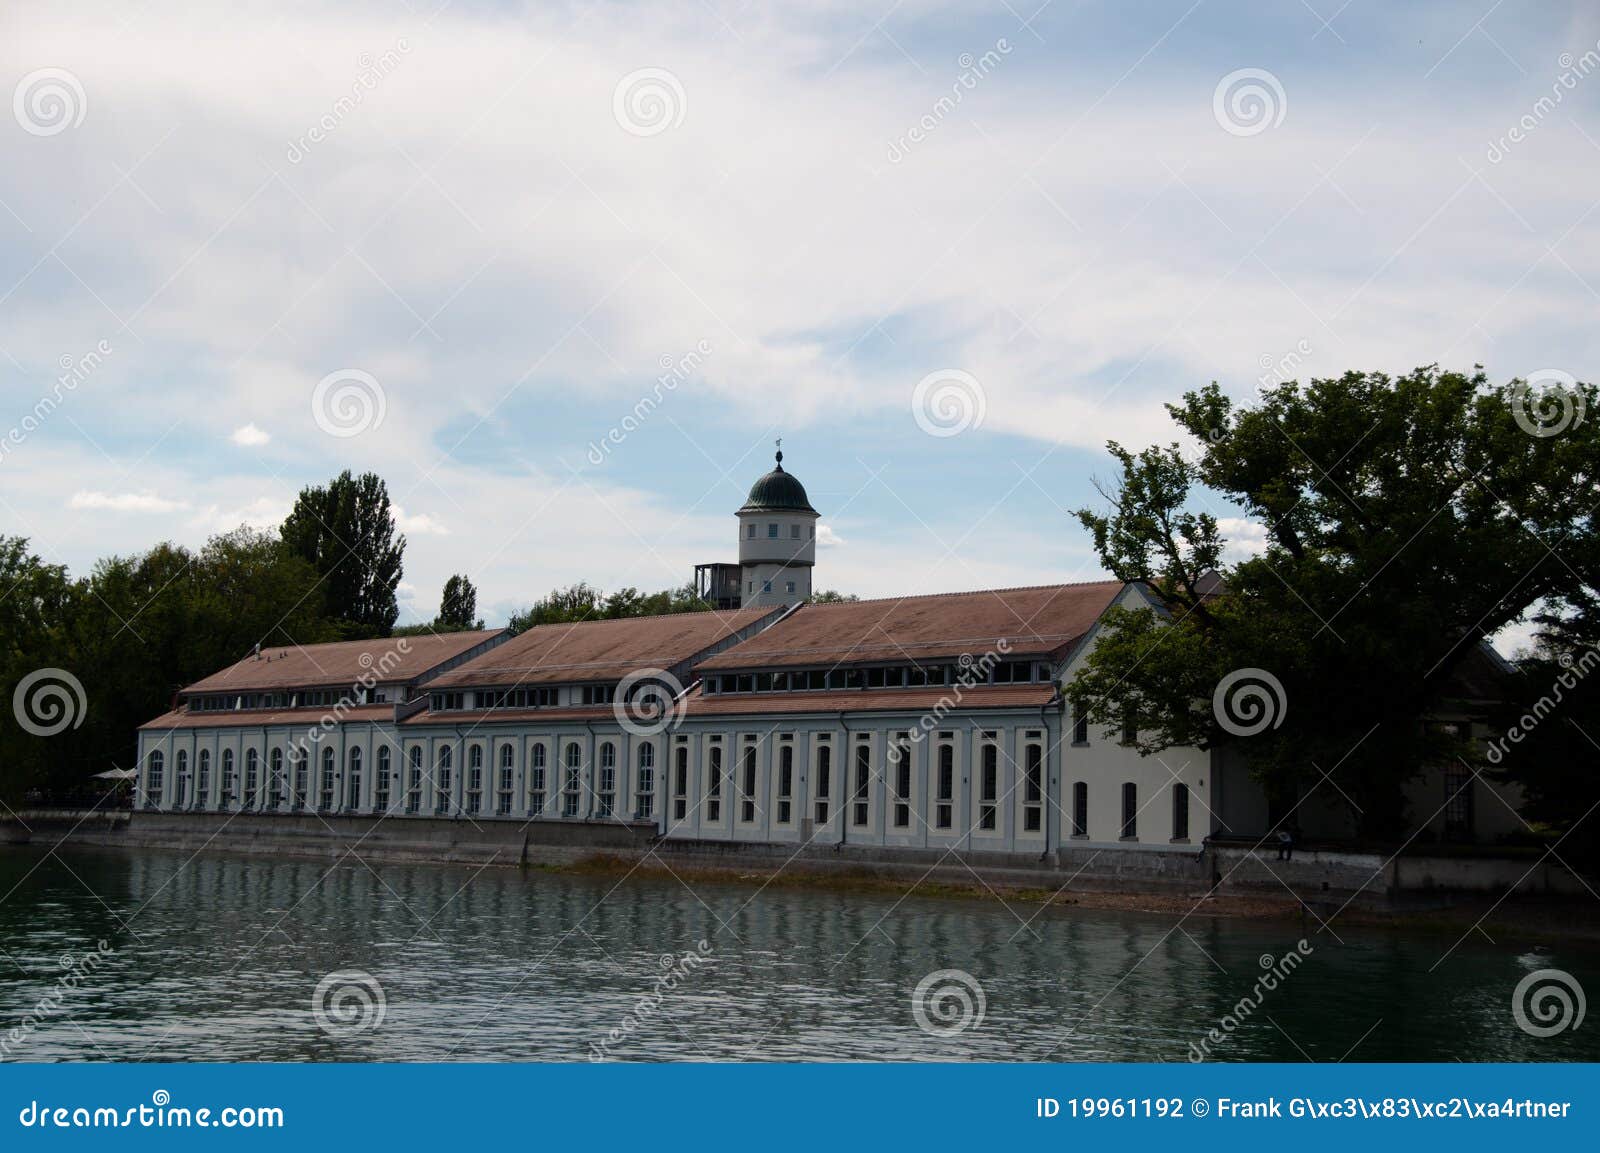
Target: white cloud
419, 524
1245, 538
125, 502
249, 436
827, 538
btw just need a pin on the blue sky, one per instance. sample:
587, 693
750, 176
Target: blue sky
507, 249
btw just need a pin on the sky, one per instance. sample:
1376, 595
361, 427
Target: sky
562, 273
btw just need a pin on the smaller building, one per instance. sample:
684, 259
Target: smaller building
777, 548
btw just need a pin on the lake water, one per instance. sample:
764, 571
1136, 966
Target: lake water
220, 958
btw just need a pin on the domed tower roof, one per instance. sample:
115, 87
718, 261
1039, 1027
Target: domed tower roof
778, 491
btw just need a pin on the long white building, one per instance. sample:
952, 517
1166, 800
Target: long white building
921, 722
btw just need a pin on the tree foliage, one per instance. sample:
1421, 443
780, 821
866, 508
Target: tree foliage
458, 608
1406, 519
582, 602
346, 531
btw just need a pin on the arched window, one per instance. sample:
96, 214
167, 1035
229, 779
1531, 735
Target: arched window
202, 788
330, 768
181, 798
380, 786
536, 779
275, 780
505, 792
443, 774
414, 784
608, 778
155, 766
572, 787
252, 777
227, 778
474, 778
353, 780
647, 781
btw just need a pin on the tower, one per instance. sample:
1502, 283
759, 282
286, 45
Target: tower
777, 540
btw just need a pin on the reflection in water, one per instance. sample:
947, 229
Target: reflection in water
217, 958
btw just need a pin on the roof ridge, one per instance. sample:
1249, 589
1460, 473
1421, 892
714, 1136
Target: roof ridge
644, 617
962, 593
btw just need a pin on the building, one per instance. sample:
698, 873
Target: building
921, 722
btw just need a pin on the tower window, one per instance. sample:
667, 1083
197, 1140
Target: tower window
766, 586
813, 532
772, 532
751, 534
789, 586
794, 532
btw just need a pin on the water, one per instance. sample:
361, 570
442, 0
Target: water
218, 958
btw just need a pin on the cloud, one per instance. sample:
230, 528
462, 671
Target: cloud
1245, 538
827, 538
249, 436
420, 524
125, 502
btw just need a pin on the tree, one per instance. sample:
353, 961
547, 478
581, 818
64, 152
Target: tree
582, 602
458, 609
832, 596
346, 531
1406, 520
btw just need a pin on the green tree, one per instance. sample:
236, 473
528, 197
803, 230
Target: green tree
346, 531
1407, 519
832, 596
458, 608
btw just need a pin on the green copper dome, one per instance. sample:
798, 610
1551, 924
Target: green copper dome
778, 491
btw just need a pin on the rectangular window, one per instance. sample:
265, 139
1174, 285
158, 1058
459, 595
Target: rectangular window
751, 533
989, 785
789, 587
507, 790
1180, 812
572, 785
794, 532
1080, 809
714, 783
824, 781
1130, 731
772, 532
944, 806
1080, 730
414, 785
1130, 812
747, 810
380, 784
900, 759
646, 791
862, 808
1033, 789
786, 783
680, 781
1457, 803
536, 779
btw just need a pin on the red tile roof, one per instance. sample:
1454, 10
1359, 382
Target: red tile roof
390, 659
872, 700
605, 650
1037, 621
255, 718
